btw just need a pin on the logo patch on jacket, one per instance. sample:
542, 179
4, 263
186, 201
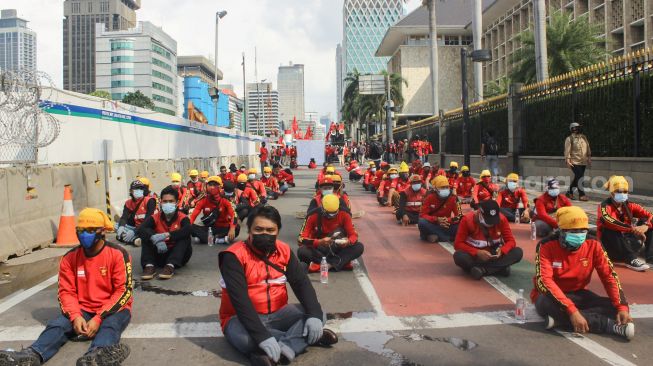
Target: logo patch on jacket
81, 273
103, 271
585, 262
557, 264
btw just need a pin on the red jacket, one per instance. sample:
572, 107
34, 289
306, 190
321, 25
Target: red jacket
226, 217
101, 285
139, 208
612, 218
317, 227
464, 186
263, 152
282, 177
248, 193
195, 188
228, 177
161, 226
484, 192
546, 205
270, 183
508, 199
558, 271
258, 186
471, 238
432, 209
453, 178
368, 177
411, 201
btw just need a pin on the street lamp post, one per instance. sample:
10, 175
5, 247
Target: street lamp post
476, 56
218, 15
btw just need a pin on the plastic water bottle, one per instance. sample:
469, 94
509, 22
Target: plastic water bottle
517, 215
533, 230
210, 239
520, 307
324, 271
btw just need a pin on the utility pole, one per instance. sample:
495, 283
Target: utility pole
463, 74
477, 30
433, 31
245, 127
541, 53
389, 106
218, 15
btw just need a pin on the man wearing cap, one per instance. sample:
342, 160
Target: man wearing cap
217, 214
166, 238
195, 187
410, 202
184, 194
271, 183
452, 174
326, 187
226, 175
510, 197
138, 207
257, 185
95, 297
339, 190
368, 177
246, 198
284, 177
204, 176
484, 190
329, 232
564, 264
578, 156
625, 228
484, 243
440, 213
465, 185
546, 206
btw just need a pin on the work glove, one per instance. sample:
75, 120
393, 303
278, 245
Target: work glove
210, 219
271, 348
120, 232
161, 247
129, 235
313, 330
343, 241
158, 237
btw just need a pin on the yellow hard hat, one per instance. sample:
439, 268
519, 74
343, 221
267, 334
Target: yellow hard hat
175, 177
336, 178
465, 168
94, 218
193, 173
512, 177
453, 164
331, 203
486, 173
403, 167
267, 169
371, 163
252, 171
330, 169
440, 181
392, 170
145, 181
215, 179
204, 174
242, 178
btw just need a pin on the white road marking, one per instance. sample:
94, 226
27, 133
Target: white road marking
368, 288
596, 349
20, 296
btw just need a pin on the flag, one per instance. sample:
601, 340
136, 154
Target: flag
309, 134
332, 130
298, 134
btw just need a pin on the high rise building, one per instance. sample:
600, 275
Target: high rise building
17, 43
142, 58
339, 80
80, 18
262, 108
290, 83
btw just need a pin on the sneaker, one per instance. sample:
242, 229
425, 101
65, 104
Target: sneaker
638, 265
549, 322
625, 330
314, 268
256, 359
137, 242
329, 338
570, 196
148, 273
195, 240
219, 241
26, 357
504, 272
105, 356
477, 272
432, 238
167, 273
583, 198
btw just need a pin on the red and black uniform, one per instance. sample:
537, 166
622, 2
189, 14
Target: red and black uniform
184, 202
285, 177
509, 202
383, 192
316, 202
368, 178
546, 206
99, 285
410, 203
223, 212
179, 242
433, 208
452, 178
561, 280
245, 201
271, 186
195, 188
227, 177
259, 187
136, 211
615, 225
251, 287
318, 226
312, 165
464, 186
484, 191
263, 154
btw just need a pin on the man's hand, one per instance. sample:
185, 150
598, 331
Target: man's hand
623, 317
80, 326
526, 215
158, 237
232, 234
271, 348
579, 323
342, 242
325, 241
640, 231
442, 221
569, 164
498, 254
91, 328
483, 255
405, 220
161, 247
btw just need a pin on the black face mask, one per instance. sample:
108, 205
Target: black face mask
403, 176
241, 186
265, 243
466, 174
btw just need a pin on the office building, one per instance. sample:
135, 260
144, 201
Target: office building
142, 58
80, 18
340, 80
199, 66
290, 84
262, 109
17, 43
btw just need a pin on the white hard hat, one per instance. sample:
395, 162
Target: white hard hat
574, 124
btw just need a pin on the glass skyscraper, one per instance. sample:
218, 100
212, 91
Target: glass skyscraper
17, 43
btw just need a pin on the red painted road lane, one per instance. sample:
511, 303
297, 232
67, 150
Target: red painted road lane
412, 277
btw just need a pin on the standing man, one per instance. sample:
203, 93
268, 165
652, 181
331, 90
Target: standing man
254, 312
490, 153
263, 155
578, 156
563, 268
95, 296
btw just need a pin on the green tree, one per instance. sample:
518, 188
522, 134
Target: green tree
101, 94
571, 44
497, 87
138, 99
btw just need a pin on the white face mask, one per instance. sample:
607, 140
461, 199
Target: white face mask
176, 184
554, 192
327, 191
251, 176
444, 193
620, 197
267, 175
416, 186
512, 186
138, 193
394, 176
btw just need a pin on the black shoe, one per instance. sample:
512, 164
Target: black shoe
256, 359
26, 357
329, 338
478, 272
105, 356
504, 272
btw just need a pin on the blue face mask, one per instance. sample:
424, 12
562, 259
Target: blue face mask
87, 239
168, 208
444, 193
512, 186
138, 193
554, 192
573, 241
620, 197
416, 186
326, 191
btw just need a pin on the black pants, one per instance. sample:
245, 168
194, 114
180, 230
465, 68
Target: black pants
509, 213
202, 232
354, 177
465, 261
595, 309
579, 173
178, 255
412, 216
624, 247
336, 256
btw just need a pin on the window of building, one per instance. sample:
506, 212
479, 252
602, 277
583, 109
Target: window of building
162, 64
162, 76
162, 87
162, 99
104, 7
117, 96
122, 83
466, 40
122, 71
76, 8
90, 8
165, 111
451, 40
161, 51
121, 45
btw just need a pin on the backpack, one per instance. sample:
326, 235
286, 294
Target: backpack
491, 146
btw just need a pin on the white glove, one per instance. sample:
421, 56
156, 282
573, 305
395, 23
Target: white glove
129, 235
271, 348
120, 232
161, 247
343, 241
313, 330
158, 237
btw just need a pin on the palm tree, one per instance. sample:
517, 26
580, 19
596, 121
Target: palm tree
497, 87
571, 44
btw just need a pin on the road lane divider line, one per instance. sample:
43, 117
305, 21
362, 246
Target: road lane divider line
22, 295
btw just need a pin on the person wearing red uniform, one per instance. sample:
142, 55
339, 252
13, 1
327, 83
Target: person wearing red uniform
95, 296
166, 238
339, 190
263, 155
271, 183
410, 202
546, 206
217, 214
329, 232
440, 213
388, 187
354, 171
246, 198
484, 190
184, 204
312, 164
379, 176
284, 177
484, 243
624, 227
464, 185
416, 167
195, 187
326, 187
510, 197
452, 175
369, 175
255, 316
403, 183
564, 263
257, 185
226, 175
138, 207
